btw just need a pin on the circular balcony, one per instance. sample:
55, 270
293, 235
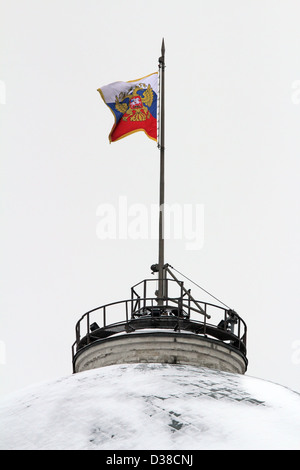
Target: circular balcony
177, 329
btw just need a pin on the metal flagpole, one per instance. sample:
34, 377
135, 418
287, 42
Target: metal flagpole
162, 176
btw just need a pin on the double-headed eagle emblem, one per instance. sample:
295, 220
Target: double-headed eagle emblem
135, 109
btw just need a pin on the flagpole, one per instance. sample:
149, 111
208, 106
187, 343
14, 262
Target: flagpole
162, 176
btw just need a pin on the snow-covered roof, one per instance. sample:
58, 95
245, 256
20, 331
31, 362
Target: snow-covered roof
151, 406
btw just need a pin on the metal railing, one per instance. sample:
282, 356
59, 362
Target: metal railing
177, 313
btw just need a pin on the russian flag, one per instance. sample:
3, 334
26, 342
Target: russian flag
134, 106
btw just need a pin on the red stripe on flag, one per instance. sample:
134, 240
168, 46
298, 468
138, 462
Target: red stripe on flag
124, 128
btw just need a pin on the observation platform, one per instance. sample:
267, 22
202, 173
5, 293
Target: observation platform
176, 329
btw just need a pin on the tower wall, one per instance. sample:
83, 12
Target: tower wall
160, 347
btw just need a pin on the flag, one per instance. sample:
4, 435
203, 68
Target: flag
134, 106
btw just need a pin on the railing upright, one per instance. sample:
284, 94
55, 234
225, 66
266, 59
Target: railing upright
104, 316
239, 332
77, 332
205, 317
88, 327
145, 294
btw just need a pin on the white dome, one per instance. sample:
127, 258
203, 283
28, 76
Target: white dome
151, 406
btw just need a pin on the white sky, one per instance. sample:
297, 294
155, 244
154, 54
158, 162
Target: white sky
232, 145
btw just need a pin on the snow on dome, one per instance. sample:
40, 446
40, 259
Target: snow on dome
151, 406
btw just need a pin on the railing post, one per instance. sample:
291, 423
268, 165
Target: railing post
166, 287
181, 296
77, 333
145, 293
239, 332
88, 327
73, 357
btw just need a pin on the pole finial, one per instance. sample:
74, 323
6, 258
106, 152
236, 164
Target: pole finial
163, 47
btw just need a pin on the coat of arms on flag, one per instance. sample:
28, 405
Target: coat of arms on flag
134, 106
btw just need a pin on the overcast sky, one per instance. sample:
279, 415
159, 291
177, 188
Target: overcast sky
232, 148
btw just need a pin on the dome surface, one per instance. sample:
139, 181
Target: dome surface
151, 406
